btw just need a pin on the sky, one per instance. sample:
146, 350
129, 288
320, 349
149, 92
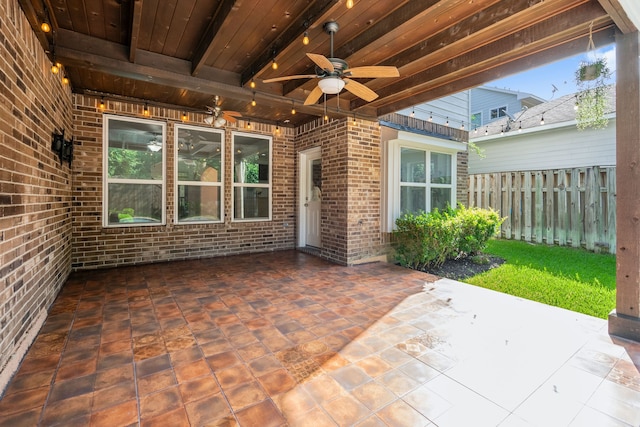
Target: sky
556, 79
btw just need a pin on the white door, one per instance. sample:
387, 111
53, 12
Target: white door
310, 198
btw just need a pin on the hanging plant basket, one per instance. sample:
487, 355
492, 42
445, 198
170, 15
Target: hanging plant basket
592, 70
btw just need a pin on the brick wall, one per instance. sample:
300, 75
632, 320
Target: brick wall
350, 219
35, 190
96, 247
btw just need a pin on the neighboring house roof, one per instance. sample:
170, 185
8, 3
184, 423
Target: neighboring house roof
556, 111
526, 99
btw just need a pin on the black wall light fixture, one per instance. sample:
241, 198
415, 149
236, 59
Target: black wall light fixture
62, 147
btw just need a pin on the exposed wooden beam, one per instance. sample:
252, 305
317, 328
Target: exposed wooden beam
206, 43
290, 35
503, 68
35, 19
625, 13
136, 18
445, 62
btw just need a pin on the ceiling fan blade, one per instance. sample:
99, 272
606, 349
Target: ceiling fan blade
321, 61
360, 90
313, 97
373, 71
229, 118
299, 76
232, 113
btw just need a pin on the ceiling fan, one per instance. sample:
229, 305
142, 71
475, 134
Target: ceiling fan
334, 74
217, 117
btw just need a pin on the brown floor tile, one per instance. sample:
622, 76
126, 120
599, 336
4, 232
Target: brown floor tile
69, 411
115, 395
113, 376
123, 414
187, 355
71, 388
233, 376
264, 365
198, 388
244, 395
208, 410
152, 365
155, 404
223, 360
28, 418
277, 382
23, 382
24, 400
346, 410
189, 371
156, 382
264, 414
175, 418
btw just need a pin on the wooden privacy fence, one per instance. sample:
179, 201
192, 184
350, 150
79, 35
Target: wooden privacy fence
575, 207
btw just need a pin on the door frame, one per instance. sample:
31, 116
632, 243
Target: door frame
303, 175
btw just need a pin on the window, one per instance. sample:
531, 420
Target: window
419, 174
200, 171
134, 165
476, 120
417, 193
251, 177
498, 112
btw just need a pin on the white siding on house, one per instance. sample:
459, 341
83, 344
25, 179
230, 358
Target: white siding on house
557, 147
455, 107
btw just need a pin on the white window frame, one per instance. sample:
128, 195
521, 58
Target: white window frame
178, 182
235, 184
392, 166
497, 110
107, 118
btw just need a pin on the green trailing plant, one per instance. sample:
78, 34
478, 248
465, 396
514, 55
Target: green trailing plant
429, 239
592, 102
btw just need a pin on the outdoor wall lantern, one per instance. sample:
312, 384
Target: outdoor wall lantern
62, 147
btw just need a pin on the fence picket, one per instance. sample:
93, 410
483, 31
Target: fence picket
574, 207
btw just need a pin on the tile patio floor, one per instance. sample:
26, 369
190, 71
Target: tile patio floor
288, 339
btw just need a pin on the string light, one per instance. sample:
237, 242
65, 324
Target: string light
277, 128
305, 38
542, 119
65, 80
413, 112
293, 107
349, 4
501, 129
101, 103
145, 110
486, 131
461, 125
45, 27
274, 64
475, 130
185, 117
431, 116
447, 123
55, 68
252, 85
520, 127
253, 101
249, 124
354, 120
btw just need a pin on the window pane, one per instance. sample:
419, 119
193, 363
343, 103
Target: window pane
440, 168
135, 150
412, 165
198, 203
251, 160
412, 199
440, 198
199, 154
251, 202
135, 203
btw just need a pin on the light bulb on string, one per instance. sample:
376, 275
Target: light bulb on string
305, 38
349, 4
252, 84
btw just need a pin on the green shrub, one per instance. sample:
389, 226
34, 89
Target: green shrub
429, 239
475, 226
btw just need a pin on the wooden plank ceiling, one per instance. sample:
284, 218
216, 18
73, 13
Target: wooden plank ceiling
183, 53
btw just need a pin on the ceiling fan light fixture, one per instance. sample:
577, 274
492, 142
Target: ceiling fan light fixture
219, 122
331, 85
209, 119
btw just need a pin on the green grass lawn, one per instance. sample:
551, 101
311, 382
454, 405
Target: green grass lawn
570, 278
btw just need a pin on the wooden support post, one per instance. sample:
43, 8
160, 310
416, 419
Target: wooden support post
625, 320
